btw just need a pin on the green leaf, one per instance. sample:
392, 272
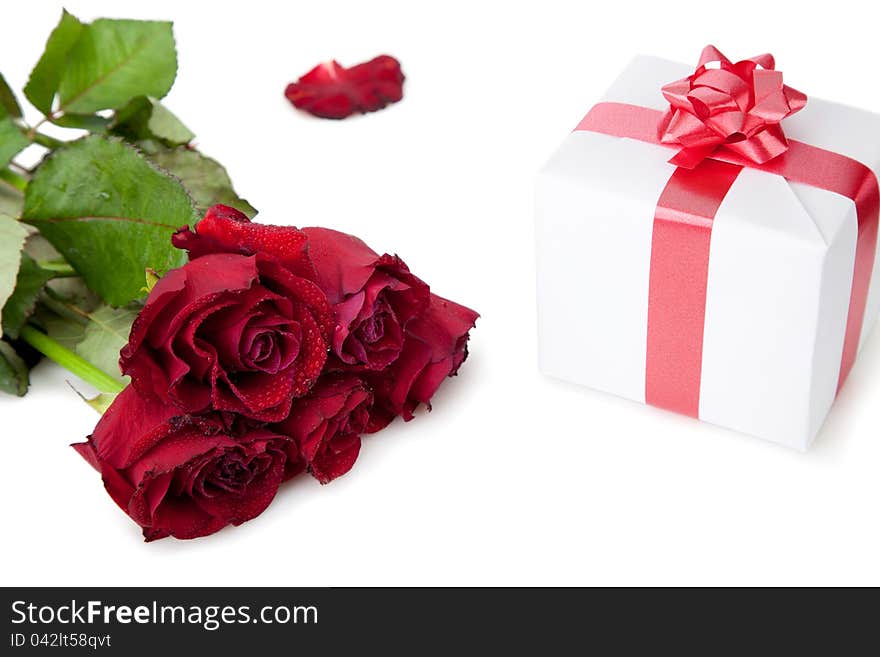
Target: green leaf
65, 331
46, 76
97, 337
105, 334
13, 371
19, 307
74, 291
110, 212
90, 122
70, 290
205, 179
12, 237
8, 104
146, 118
115, 60
11, 200
12, 141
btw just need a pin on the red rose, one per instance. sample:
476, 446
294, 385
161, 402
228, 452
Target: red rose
183, 476
374, 298
328, 423
228, 332
389, 328
434, 348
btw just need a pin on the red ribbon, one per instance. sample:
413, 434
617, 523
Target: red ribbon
682, 232
677, 285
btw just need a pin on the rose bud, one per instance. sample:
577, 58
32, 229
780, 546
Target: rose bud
232, 333
374, 298
328, 423
434, 348
183, 476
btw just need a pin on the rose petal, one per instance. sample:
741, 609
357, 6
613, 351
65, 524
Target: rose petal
343, 262
146, 499
259, 493
226, 230
327, 424
175, 449
182, 519
360, 284
132, 425
337, 459
333, 92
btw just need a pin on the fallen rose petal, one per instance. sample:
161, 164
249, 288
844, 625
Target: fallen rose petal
332, 91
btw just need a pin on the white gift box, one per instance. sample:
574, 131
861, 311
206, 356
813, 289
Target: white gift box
780, 271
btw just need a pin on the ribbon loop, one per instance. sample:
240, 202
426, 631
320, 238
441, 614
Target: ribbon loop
736, 107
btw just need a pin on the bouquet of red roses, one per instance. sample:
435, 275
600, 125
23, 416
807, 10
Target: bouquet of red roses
254, 353
268, 354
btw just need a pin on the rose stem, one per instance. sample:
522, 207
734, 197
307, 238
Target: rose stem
58, 269
70, 361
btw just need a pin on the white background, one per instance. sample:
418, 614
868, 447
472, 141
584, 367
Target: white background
515, 478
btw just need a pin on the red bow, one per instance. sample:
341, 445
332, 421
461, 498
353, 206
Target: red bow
736, 107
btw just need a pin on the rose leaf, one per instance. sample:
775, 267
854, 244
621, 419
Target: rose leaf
205, 178
13, 371
97, 336
12, 237
46, 76
12, 141
146, 118
90, 122
110, 212
29, 283
113, 61
11, 200
105, 335
8, 104
65, 331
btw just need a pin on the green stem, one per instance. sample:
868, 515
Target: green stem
70, 361
45, 140
59, 268
15, 180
